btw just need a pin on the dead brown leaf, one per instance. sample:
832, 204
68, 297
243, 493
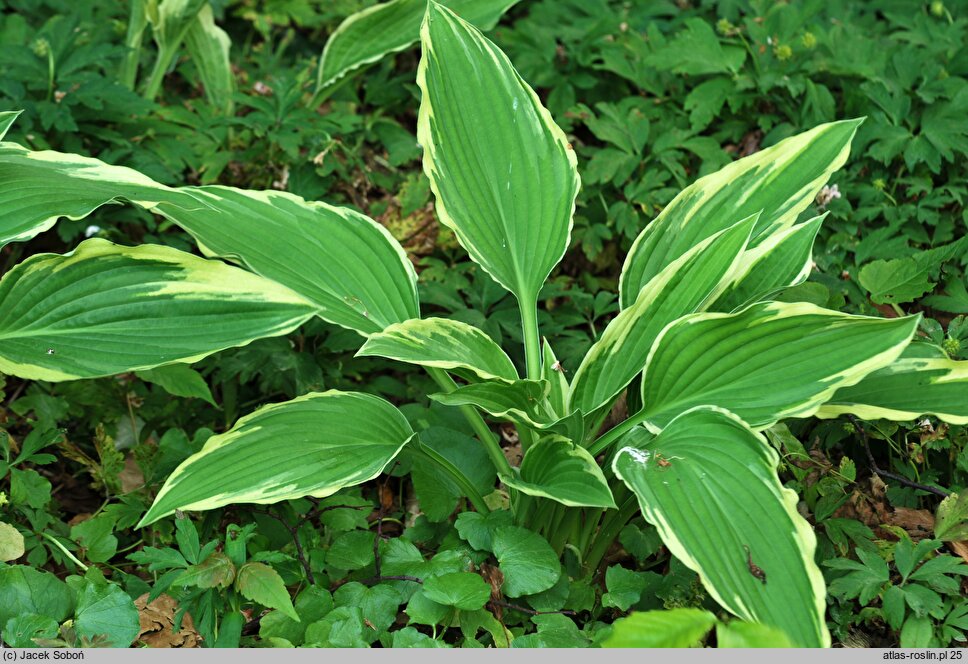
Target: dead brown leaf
131, 477
157, 624
960, 548
918, 523
495, 579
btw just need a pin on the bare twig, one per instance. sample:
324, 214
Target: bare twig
531, 612
294, 532
885, 473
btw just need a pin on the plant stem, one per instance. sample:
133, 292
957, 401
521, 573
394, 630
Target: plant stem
612, 435
608, 532
428, 454
477, 423
63, 549
157, 76
593, 517
565, 528
532, 342
137, 21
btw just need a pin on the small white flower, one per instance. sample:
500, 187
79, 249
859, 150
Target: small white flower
92, 230
827, 194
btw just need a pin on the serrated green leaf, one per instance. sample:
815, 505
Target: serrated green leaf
260, 583
105, 609
24, 590
216, 571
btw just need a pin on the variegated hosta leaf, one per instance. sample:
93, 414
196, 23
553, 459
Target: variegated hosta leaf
524, 402
564, 472
444, 344
171, 19
708, 484
503, 173
767, 362
369, 35
923, 381
313, 445
104, 309
40, 187
7, 118
781, 181
520, 400
342, 261
208, 46
684, 287
784, 259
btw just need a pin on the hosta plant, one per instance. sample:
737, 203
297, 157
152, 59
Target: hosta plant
708, 355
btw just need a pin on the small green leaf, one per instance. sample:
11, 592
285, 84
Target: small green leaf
463, 590
901, 280
28, 487
378, 605
478, 529
312, 604
216, 571
340, 628
11, 543
918, 632
20, 631
107, 610
96, 538
260, 583
951, 519
179, 380
738, 634
187, 537
424, 611
409, 637
528, 562
624, 586
25, 590
677, 628
351, 551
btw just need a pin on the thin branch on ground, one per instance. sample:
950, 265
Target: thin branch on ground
530, 612
886, 473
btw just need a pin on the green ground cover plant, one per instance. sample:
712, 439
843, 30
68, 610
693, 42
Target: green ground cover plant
288, 422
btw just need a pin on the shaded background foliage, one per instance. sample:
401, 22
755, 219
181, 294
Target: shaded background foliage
652, 95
